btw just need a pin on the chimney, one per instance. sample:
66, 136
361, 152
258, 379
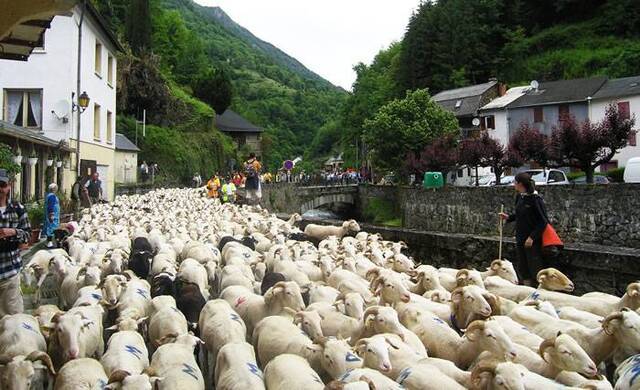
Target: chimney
502, 89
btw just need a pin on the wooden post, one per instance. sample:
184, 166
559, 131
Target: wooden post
500, 225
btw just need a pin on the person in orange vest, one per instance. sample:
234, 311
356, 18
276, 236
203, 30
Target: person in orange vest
212, 186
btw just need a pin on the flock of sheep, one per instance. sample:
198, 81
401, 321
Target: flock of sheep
171, 290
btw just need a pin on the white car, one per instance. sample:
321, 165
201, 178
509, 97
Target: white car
543, 177
490, 181
632, 171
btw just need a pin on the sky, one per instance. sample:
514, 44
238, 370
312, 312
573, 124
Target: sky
327, 36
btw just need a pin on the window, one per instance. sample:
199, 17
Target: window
623, 110
556, 177
96, 122
109, 127
631, 141
491, 122
110, 63
563, 112
98, 59
538, 116
23, 108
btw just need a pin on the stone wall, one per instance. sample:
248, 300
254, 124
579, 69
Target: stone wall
591, 267
605, 215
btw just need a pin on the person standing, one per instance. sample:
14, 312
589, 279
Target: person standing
228, 191
51, 213
252, 184
14, 230
94, 188
531, 219
212, 186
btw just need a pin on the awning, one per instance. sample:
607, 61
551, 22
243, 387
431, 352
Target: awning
23, 23
27, 135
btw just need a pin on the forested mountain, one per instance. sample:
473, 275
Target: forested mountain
455, 43
194, 46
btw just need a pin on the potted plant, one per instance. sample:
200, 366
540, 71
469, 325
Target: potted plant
35, 212
33, 158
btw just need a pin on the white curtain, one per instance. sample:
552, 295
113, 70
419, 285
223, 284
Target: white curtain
35, 101
14, 100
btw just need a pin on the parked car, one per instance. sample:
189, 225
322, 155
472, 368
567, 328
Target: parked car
490, 181
632, 170
544, 177
596, 180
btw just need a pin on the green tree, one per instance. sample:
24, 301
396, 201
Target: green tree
138, 26
406, 126
6, 160
214, 88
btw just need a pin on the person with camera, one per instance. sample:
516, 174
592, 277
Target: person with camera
14, 230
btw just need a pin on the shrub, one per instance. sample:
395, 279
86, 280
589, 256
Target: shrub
617, 174
35, 212
382, 212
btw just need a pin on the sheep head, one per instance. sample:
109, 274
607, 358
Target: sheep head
566, 354
491, 337
491, 374
504, 269
554, 280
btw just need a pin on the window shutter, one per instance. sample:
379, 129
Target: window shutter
631, 141
538, 116
623, 110
563, 112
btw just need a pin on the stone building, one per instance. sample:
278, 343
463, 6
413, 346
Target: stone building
241, 130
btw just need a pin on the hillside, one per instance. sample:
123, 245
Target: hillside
514, 40
270, 88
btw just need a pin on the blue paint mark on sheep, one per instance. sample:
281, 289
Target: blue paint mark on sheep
438, 320
535, 295
254, 370
133, 350
344, 376
142, 293
234, 317
635, 370
404, 374
96, 296
351, 358
28, 327
189, 371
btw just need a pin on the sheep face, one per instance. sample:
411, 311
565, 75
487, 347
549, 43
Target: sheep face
625, 326
354, 305
290, 295
508, 376
375, 352
310, 322
491, 337
554, 280
391, 290
68, 328
472, 299
17, 375
351, 226
112, 288
402, 263
338, 358
505, 270
566, 354
386, 321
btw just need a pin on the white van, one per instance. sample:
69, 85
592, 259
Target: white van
632, 170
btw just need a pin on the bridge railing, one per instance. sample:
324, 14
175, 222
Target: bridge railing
314, 181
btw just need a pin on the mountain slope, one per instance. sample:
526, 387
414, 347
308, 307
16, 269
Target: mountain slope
218, 14
273, 90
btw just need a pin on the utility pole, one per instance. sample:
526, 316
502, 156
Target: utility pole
78, 76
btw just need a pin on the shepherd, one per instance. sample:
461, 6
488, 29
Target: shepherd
531, 219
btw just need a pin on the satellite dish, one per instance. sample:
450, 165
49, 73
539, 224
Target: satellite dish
535, 84
476, 121
61, 110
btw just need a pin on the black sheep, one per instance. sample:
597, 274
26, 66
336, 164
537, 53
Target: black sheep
190, 302
247, 241
162, 284
141, 256
303, 237
269, 280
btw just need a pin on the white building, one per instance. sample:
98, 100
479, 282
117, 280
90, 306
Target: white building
126, 160
38, 94
625, 94
495, 115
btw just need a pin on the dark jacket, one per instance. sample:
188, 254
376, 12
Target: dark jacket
530, 217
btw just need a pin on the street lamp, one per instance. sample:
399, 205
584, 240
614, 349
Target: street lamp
82, 104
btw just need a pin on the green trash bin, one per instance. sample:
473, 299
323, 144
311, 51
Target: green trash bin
433, 180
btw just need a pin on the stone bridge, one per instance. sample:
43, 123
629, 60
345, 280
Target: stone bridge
292, 198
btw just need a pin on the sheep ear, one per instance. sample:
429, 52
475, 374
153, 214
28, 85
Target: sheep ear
559, 333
